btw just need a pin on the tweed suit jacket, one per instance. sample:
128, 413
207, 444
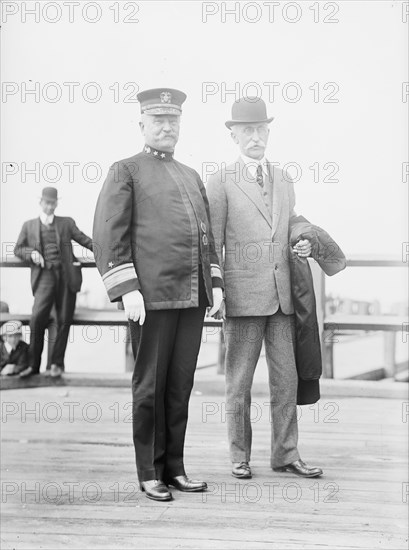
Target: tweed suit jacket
251, 241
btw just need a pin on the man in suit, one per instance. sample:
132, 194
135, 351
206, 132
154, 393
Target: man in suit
56, 277
155, 252
251, 203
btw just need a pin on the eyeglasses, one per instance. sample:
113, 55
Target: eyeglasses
261, 130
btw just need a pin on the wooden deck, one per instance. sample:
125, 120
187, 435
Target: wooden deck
68, 479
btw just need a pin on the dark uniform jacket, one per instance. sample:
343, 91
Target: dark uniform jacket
152, 231
331, 259
18, 357
66, 230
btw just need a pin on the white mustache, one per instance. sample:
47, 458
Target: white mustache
252, 143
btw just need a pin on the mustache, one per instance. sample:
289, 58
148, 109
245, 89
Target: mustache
252, 143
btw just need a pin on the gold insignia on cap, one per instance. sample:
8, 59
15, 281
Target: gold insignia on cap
165, 97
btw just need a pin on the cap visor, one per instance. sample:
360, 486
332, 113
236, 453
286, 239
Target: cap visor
162, 111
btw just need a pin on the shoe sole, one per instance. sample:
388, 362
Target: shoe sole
167, 499
295, 473
198, 490
243, 476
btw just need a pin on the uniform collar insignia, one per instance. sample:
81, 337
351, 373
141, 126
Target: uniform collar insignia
161, 155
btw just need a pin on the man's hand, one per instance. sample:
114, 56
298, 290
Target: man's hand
303, 248
217, 301
37, 258
134, 306
221, 314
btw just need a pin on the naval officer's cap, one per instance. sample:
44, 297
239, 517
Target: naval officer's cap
161, 101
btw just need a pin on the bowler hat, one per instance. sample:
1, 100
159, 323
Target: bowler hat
161, 101
11, 327
50, 194
248, 110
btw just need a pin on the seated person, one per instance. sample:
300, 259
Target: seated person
13, 350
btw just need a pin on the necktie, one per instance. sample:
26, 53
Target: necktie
259, 177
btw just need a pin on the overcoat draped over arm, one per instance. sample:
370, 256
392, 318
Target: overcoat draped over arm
331, 259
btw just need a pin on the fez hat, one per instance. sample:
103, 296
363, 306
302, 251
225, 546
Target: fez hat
49, 194
161, 101
248, 110
10, 328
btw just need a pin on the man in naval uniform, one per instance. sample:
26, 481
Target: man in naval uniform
155, 251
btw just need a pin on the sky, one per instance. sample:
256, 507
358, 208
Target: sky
332, 74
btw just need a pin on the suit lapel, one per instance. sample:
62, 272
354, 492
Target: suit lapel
37, 235
57, 230
244, 181
277, 185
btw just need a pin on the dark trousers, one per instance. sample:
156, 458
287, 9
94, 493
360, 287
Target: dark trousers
51, 290
166, 348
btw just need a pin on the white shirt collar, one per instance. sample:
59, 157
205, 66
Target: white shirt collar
8, 347
251, 165
46, 220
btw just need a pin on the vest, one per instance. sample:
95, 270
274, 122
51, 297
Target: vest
51, 251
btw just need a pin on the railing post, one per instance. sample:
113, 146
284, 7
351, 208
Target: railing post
389, 342
328, 353
222, 353
129, 358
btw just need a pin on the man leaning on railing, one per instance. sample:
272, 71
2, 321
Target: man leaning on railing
56, 278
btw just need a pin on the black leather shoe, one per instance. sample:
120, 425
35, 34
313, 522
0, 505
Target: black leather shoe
29, 371
155, 489
183, 483
241, 470
300, 468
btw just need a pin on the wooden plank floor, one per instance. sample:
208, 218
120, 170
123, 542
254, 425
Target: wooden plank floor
68, 477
